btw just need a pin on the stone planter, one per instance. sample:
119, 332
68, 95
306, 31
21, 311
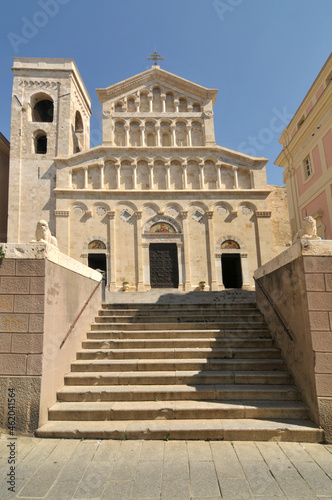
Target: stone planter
125, 286
201, 286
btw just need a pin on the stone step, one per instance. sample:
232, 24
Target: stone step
178, 393
152, 410
227, 429
179, 307
179, 334
221, 325
179, 353
180, 318
176, 296
159, 343
178, 377
116, 365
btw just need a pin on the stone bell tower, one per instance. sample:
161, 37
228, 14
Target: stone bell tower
50, 119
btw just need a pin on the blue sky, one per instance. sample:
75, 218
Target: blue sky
262, 55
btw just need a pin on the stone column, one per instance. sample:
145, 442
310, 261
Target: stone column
201, 176
263, 237
245, 272
189, 130
173, 129
176, 104
186, 251
218, 165
135, 175
151, 180
185, 176
142, 129
112, 259
236, 178
252, 180
168, 175
70, 179
158, 135
86, 177
163, 98
212, 261
127, 128
118, 171
150, 103
139, 253
62, 230
102, 176
112, 134
137, 106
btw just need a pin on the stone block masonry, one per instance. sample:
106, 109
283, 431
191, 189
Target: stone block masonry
41, 293
299, 281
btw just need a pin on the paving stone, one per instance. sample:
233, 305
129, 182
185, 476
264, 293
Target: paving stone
107, 451
5, 494
318, 481
321, 455
42, 480
226, 461
35, 458
118, 490
235, 489
148, 480
127, 461
63, 490
203, 479
199, 451
247, 451
152, 450
260, 480
94, 480
296, 451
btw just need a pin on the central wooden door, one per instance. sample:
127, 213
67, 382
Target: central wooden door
164, 270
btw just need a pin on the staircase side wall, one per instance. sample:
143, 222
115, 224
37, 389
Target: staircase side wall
299, 282
41, 293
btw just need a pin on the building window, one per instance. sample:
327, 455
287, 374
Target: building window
40, 143
42, 110
307, 168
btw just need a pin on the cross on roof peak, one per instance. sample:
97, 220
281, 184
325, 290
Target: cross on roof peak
155, 57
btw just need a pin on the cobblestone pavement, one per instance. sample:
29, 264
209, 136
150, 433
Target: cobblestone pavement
63, 469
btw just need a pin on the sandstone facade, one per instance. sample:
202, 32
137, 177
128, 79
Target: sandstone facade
158, 203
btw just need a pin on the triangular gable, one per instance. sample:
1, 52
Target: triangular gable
154, 76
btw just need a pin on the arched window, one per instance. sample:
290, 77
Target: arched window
196, 107
144, 103
157, 103
131, 106
78, 122
40, 143
183, 107
135, 134
119, 134
42, 110
170, 108
118, 107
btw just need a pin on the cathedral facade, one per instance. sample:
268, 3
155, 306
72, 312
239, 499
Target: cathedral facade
158, 204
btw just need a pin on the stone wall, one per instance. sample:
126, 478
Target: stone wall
299, 281
41, 293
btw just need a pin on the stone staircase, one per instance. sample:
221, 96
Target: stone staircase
180, 371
